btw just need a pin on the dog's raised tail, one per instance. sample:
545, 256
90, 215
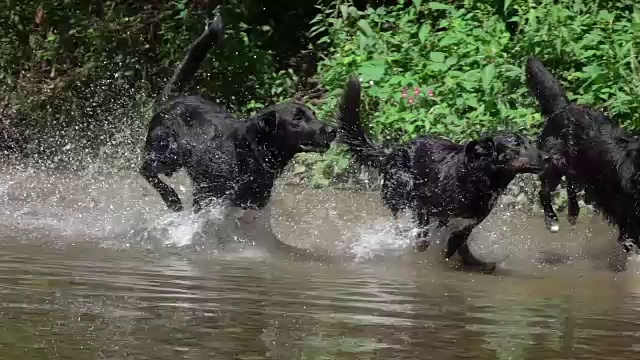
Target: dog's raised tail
350, 130
545, 88
192, 61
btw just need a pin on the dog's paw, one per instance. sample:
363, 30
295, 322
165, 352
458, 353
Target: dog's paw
630, 248
552, 224
421, 245
481, 267
175, 206
573, 220
488, 268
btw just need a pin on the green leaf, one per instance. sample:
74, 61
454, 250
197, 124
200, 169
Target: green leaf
592, 70
506, 5
365, 28
417, 3
437, 57
342, 163
372, 70
448, 39
396, 79
423, 33
451, 60
488, 73
510, 70
472, 101
438, 6
437, 67
344, 10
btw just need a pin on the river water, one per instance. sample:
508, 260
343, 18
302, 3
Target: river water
94, 267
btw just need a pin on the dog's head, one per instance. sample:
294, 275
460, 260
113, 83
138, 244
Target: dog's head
510, 151
517, 154
294, 126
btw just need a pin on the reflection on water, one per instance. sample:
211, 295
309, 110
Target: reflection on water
98, 269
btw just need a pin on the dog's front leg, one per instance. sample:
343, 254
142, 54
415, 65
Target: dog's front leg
167, 193
549, 181
456, 240
573, 208
422, 237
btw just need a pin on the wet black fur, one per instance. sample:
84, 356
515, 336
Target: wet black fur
236, 161
437, 179
592, 152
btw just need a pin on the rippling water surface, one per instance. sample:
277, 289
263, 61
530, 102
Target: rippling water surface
94, 267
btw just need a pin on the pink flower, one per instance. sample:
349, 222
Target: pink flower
404, 92
416, 91
411, 101
430, 93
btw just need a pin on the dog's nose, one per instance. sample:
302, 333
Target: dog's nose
546, 158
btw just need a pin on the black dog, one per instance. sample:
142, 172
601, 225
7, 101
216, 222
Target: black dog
595, 155
226, 159
551, 141
437, 179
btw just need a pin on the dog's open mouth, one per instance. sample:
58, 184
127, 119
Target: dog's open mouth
535, 168
524, 165
314, 147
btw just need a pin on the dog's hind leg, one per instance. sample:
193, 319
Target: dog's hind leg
469, 260
549, 181
167, 193
458, 242
573, 208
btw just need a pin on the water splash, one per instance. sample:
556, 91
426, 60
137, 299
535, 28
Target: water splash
377, 239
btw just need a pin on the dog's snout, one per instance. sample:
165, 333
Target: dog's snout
333, 132
546, 158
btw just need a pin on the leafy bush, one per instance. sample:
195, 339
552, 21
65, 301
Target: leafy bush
83, 65
457, 70
452, 69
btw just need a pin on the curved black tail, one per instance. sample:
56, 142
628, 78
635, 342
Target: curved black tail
351, 132
545, 88
196, 54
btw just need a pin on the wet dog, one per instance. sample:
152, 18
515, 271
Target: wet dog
231, 161
551, 141
437, 179
592, 152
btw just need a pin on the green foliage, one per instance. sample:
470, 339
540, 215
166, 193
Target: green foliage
72, 69
445, 68
132, 42
457, 70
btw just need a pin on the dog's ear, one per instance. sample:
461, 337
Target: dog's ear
480, 148
268, 121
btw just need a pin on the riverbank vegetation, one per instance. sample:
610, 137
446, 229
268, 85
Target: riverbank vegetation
78, 77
